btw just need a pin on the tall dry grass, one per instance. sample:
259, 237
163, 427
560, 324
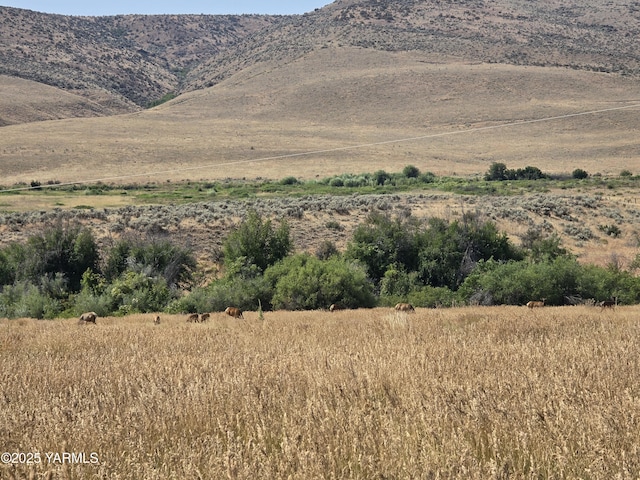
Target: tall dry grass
500, 392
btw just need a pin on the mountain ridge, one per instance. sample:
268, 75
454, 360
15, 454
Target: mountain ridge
125, 62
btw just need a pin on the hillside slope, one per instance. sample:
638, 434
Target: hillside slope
601, 36
335, 90
352, 107
121, 62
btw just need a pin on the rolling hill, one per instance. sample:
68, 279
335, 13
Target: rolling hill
356, 86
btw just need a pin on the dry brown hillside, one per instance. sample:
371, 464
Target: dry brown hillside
357, 86
601, 36
333, 99
120, 63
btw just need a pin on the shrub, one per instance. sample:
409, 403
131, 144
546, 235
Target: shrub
326, 249
381, 177
411, 171
257, 242
516, 283
153, 257
497, 171
579, 174
26, 300
304, 282
289, 181
610, 230
69, 251
138, 293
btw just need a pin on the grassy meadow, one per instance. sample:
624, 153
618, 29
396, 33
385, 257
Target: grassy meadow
493, 392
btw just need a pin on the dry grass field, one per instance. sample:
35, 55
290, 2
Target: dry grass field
334, 99
500, 392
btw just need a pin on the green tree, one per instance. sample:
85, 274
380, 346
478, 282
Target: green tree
68, 251
304, 282
579, 174
411, 171
382, 241
152, 257
256, 242
497, 171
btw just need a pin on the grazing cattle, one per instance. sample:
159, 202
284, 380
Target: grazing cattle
88, 317
204, 317
156, 320
336, 306
405, 307
233, 312
534, 304
192, 318
607, 304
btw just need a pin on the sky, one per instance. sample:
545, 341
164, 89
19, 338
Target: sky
152, 7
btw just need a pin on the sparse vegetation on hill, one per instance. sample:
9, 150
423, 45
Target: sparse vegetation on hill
431, 263
136, 60
118, 61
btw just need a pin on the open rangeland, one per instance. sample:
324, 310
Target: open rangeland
495, 392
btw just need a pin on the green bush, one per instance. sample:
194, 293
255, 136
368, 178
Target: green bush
289, 181
411, 171
442, 254
26, 300
257, 242
579, 174
138, 293
152, 257
516, 283
59, 250
304, 282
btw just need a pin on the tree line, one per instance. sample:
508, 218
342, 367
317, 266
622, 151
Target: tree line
427, 262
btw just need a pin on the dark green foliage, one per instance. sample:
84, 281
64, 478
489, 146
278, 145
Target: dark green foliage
556, 280
289, 181
153, 257
7, 274
411, 171
542, 248
381, 242
441, 254
25, 299
381, 177
256, 242
236, 291
138, 293
610, 230
579, 174
165, 98
499, 172
326, 249
68, 251
304, 282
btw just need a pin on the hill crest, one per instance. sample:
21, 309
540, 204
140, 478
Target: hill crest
122, 63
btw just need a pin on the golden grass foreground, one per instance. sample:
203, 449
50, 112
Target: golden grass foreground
494, 392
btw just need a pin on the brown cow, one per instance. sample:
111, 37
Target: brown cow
234, 312
336, 306
204, 317
534, 304
405, 307
156, 320
192, 318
